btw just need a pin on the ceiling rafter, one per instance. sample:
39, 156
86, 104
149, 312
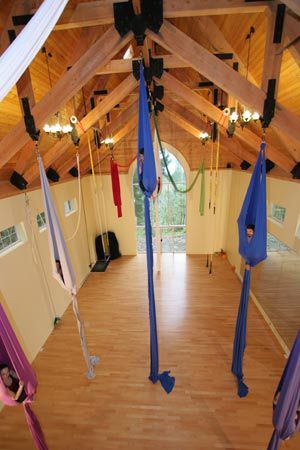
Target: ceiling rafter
101, 12
245, 135
120, 92
98, 54
64, 166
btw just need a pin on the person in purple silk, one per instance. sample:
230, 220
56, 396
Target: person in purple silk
14, 386
297, 416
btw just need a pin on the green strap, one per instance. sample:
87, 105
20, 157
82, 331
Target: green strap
182, 191
202, 191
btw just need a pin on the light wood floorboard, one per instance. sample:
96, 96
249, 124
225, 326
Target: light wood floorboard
120, 409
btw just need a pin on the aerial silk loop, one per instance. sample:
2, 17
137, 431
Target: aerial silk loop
286, 415
115, 184
182, 191
98, 214
62, 267
36, 256
253, 250
79, 200
148, 180
11, 353
213, 201
21, 52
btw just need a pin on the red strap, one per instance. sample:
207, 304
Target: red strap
115, 183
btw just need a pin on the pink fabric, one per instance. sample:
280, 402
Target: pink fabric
11, 353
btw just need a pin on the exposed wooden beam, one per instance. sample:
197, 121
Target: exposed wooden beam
85, 41
223, 76
292, 33
88, 121
125, 65
293, 5
204, 106
220, 43
101, 12
212, 32
121, 134
193, 124
63, 166
99, 53
272, 55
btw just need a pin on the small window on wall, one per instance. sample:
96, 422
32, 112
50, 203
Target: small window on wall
41, 221
70, 206
10, 238
278, 212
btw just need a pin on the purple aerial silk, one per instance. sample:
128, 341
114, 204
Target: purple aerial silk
288, 400
12, 354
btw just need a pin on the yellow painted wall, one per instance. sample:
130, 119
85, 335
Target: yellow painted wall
203, 234
283, 193
28, 287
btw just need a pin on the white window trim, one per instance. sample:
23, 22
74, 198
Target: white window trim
73, 211
276, 222
22, 240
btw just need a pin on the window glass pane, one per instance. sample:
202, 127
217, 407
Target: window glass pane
278, 212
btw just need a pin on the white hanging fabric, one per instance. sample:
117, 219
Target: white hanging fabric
24, 48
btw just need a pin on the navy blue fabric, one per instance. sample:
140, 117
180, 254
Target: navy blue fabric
285, 419
240, 336
254, 211
147, 180
253, 250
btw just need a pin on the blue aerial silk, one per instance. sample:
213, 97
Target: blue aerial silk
254, 250
147, 180
286, 415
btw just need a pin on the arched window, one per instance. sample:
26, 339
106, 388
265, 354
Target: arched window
172, 210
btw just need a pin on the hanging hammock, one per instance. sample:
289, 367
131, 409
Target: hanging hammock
115, 184
12, 354
63, 270
148, 180
182, 191
254, 251
286, 415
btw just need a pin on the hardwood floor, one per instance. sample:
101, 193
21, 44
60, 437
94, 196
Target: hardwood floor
120, 408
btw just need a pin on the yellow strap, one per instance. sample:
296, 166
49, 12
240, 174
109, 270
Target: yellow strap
217, 172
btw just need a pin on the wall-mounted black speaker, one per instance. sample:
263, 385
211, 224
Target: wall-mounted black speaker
269, 165
245, 165
296, 171
17, 180
52, 175
74, 172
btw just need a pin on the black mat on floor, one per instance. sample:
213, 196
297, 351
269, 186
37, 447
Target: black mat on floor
100, 266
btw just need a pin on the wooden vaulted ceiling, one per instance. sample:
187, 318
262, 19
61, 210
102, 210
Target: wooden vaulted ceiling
217, 26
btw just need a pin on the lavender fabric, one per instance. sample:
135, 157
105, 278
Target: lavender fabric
59, 253
12, 354
288, 392
27, 44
